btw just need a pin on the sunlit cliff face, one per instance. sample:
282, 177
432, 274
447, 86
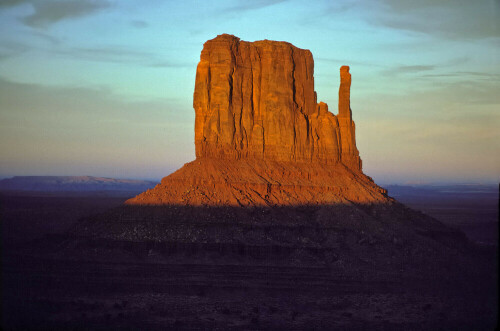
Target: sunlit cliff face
261, 137
257, 100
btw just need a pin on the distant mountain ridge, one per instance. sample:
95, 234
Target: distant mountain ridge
73, 184
432, 190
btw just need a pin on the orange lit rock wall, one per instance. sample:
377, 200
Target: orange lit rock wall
257, 100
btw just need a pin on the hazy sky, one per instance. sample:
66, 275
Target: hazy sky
105, 88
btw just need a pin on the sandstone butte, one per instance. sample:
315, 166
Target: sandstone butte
262, 138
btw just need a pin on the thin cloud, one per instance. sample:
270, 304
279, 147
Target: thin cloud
252, 5
35, 103
52, 11
346, 62
168, 64
45, 36
119, 54
106, 53
11, 3
139, 24
9, 49
418, 69
464, 74
460, 19
114, 54
412, 69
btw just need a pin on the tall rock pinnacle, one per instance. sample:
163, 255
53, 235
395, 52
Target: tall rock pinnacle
256, 100
345, 93
349, 152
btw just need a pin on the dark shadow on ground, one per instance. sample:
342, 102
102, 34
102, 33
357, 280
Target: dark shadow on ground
283, 267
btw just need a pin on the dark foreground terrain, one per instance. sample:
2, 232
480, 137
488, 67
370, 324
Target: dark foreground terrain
52, 280
470, 208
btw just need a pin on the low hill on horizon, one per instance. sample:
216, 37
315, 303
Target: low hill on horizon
73, 184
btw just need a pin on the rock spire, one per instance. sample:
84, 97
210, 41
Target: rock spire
349, 152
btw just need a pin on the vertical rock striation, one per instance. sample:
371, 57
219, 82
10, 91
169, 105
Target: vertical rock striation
257, 100
261, 137
349, 153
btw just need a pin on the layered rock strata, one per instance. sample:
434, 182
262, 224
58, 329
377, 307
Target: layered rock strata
245, 183
256, 100
261, 137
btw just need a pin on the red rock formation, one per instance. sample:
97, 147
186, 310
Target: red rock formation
214, 182
261, 138
253, 100
349, 153
257, 100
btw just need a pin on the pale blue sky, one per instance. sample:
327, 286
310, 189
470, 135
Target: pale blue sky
105, 87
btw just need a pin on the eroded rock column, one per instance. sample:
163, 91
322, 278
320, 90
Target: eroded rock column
349, 154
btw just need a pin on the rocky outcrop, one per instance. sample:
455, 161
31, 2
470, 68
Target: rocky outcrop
249, 183
257, 100
348, 151
261, 137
